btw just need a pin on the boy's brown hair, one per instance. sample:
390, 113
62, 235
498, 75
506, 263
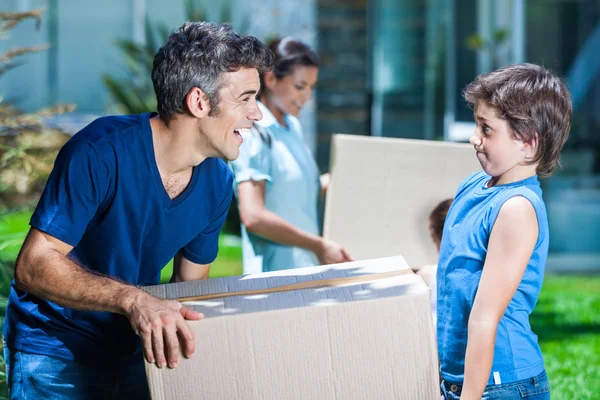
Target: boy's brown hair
437, 217
534, 102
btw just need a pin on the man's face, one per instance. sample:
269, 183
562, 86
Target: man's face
237, 110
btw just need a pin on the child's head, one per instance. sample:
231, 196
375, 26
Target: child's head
523, 114
437, 217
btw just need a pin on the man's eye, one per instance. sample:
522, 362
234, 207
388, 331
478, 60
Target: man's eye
299, 87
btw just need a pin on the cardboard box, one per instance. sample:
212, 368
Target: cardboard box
382, 191
364, 332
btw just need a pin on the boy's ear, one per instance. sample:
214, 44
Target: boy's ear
531, 147
197, 103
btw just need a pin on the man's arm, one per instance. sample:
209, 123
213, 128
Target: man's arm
44, 270
511, 244
269, 225
184, 270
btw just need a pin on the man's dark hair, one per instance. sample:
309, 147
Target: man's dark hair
534, 102
196, 55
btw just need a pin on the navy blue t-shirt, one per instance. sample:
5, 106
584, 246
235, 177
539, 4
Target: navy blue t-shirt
105, 197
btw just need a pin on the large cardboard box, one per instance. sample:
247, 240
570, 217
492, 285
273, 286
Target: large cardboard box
382, 191
360, 330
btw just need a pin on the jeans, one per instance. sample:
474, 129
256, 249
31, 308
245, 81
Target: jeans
33, 376
536, 388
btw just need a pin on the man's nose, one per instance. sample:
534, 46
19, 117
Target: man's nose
255, 114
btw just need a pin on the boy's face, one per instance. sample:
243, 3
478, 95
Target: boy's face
498, 151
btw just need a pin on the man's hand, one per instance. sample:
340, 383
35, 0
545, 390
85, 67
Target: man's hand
160, 323
331, 252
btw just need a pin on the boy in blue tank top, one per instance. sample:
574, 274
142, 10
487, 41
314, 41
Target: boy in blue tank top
495, 241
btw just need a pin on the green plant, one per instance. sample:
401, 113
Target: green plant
492, 46
134, 92
27, 150
27, 146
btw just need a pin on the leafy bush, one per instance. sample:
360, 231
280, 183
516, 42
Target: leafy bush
27, 146
27, 152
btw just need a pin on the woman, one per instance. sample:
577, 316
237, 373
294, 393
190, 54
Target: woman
277, 179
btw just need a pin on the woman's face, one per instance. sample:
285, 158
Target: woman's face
290, 93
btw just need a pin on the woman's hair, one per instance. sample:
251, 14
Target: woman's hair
289, 53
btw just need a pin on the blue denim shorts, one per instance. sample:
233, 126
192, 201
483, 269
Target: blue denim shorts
536, 388
33, 376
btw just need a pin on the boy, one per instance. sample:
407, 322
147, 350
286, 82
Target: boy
495, 240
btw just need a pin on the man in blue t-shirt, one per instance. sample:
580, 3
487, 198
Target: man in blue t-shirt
127, 194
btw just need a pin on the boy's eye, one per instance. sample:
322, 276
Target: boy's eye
299, 87
485, 129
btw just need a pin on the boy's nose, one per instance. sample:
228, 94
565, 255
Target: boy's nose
475, 140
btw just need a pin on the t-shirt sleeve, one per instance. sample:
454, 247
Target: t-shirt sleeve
79, 182
203, 248
254, 161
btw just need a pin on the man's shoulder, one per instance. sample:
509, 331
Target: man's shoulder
219, 169
104, 128
109, 135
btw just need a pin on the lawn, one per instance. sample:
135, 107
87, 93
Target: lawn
567, 322
566, 319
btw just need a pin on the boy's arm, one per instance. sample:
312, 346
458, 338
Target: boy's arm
511, 244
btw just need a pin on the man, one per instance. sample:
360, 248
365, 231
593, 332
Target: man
126, 194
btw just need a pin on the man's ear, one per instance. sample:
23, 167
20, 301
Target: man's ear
269, 79
197, 103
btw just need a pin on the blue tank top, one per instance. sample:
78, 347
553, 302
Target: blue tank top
463, 250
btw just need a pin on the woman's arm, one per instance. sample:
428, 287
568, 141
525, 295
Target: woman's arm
511, 244
260, 221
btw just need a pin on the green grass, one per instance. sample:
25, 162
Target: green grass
228, 262
567, 322
566, 319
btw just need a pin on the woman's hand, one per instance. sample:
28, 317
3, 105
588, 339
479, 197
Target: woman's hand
331, 252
